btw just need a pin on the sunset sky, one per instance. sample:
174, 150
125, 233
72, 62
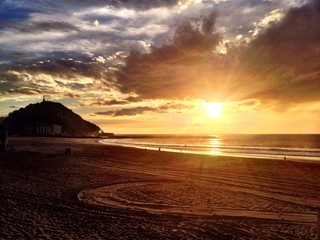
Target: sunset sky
166, 66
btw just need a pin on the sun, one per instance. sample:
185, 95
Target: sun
214, 109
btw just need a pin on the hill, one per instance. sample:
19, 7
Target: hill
36, 119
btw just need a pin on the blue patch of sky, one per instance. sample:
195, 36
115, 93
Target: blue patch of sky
14, 14
19, 10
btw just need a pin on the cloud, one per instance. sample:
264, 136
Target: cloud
173, 70
127, 111
83, 42
63, 77
241, 17
132, 4
133, 99
68, 26
249, 105
28, 90
102, 102
122, 101
71, 29
280, 64
68, 67
48, 27
271, 18
284, 60
175, 106
132, 111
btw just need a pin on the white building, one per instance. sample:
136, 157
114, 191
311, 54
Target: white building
43, 129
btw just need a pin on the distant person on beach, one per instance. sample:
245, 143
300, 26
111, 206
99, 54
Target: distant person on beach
68, 151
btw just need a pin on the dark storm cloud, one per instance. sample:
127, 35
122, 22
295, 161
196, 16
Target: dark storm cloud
172, 71
281, 64
54, 26
34, 27
11, 58
109, 37
133, 4
285, 59
6, 23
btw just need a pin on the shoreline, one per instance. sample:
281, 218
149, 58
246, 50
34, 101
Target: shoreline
216, 153
46, 193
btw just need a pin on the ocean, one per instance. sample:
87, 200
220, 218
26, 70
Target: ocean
271, 146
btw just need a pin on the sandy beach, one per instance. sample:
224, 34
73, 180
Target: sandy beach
106, 192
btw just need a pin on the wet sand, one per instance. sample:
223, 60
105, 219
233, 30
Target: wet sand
105, 192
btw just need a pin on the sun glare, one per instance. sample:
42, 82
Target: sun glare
214, 109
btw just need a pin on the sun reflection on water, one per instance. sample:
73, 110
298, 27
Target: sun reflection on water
215, 143
214, 152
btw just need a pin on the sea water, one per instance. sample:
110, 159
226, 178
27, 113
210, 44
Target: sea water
272, 146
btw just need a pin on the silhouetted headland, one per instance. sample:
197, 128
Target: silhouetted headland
49, 119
